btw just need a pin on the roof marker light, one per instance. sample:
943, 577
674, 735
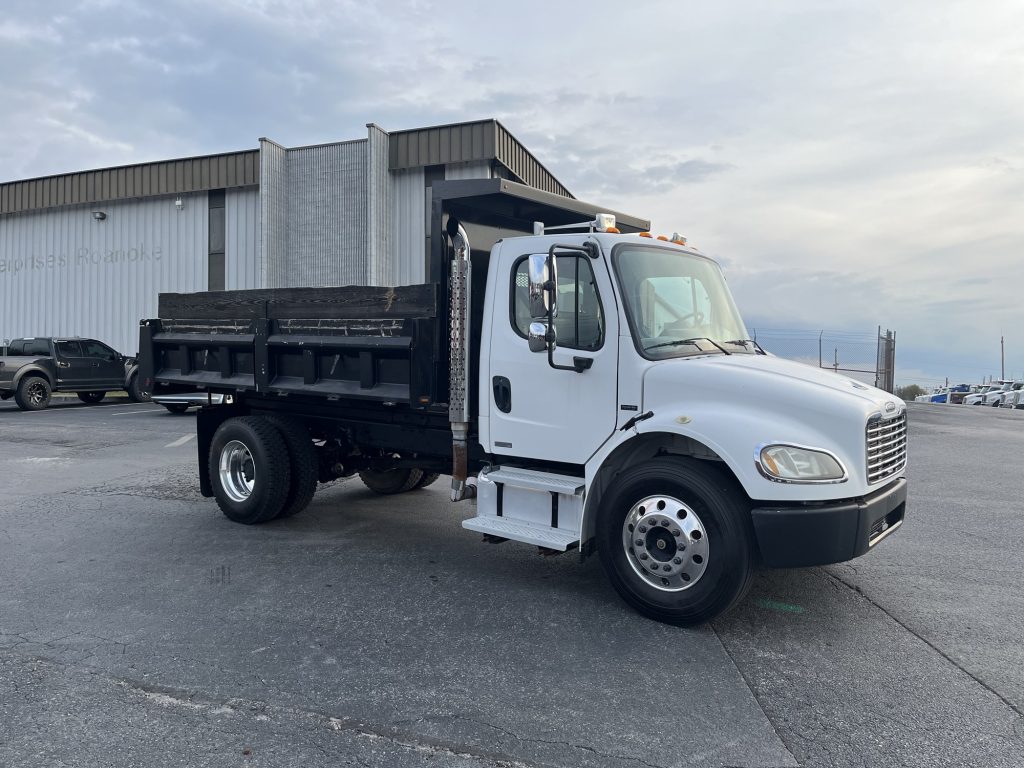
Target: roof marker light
646, 234
662, 237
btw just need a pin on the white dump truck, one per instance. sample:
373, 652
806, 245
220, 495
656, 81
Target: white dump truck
587, 390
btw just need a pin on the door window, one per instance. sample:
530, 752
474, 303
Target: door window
98, 351
68, 349
580, 320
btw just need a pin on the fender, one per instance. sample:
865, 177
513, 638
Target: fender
133, 369
738, 428
33, 368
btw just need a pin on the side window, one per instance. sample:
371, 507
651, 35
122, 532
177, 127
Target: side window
36, 347
97, 350
68, 349
580, 321
16, 348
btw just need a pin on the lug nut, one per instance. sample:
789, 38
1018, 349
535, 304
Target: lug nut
639, 542
643, 555
678, 561
675, 531
643, 529
665, 523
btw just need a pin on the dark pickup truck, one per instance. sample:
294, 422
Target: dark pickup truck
32, 369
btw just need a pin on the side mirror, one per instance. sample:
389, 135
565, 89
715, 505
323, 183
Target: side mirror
543, 278
539, 336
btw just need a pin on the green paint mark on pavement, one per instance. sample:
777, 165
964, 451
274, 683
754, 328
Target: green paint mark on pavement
775, 605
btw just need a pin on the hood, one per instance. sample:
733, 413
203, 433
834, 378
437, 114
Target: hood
768, 378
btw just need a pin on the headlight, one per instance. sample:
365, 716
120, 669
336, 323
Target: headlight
793, 464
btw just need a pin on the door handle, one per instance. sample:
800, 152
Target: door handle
502, 393
63, 364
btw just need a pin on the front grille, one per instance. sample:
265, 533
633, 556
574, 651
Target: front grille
887, 447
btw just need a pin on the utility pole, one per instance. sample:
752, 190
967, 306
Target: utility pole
835, 367
1002, 358
819, 348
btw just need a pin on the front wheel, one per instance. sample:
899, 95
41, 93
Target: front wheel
249, 469
391, 481
91, 397
135, 392
676, 540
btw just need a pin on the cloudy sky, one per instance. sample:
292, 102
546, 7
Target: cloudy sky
852, 164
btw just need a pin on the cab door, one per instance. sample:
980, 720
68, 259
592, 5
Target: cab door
72, 369
105, 366
537, 411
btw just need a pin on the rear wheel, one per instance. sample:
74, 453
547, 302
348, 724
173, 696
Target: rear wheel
427, 479
392, 480
176, 407
676, 540
303, 463
249, 469
33, 393
91, 397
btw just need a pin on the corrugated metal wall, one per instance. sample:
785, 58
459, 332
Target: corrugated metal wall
242, 235
408, 227
273, 214
63, 273
327, 215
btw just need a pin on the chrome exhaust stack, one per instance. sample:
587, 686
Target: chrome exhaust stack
459, 369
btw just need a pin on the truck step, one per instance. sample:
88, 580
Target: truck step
537, 481
542, 536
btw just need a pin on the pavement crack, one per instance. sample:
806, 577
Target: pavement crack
926, 641
757, 699
568, 744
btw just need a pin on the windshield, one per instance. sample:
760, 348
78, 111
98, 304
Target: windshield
678, 304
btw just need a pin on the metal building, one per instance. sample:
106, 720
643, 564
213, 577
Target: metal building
87, 253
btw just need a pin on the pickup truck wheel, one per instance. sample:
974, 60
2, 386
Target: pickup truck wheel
33, 393
176, 407
427, 479
249, 469
91, 397
392, 480
676, 541
135, 393
303, 463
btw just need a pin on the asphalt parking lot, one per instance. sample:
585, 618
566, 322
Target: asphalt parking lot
139, 627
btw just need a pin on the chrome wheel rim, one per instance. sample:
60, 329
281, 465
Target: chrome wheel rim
237, 471
36, 393
666, 543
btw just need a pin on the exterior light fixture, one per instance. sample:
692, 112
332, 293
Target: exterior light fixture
99, 215
179, 203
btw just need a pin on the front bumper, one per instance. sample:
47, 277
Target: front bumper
795, 536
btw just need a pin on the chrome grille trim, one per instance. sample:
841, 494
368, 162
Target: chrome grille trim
885, 447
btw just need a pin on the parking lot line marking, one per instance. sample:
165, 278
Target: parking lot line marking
69, 409
180, 441
136, 413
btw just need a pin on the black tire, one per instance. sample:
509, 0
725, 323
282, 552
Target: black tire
303, 463
392, 480
266, 467
427, 479
33, 393
723, 511
91, 397
178, 408
135, 393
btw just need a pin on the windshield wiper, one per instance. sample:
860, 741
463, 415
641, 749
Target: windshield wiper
744, 342
692, 342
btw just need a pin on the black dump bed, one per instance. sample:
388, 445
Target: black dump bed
355, 342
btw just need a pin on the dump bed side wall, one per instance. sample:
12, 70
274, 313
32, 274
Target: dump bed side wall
356, 342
